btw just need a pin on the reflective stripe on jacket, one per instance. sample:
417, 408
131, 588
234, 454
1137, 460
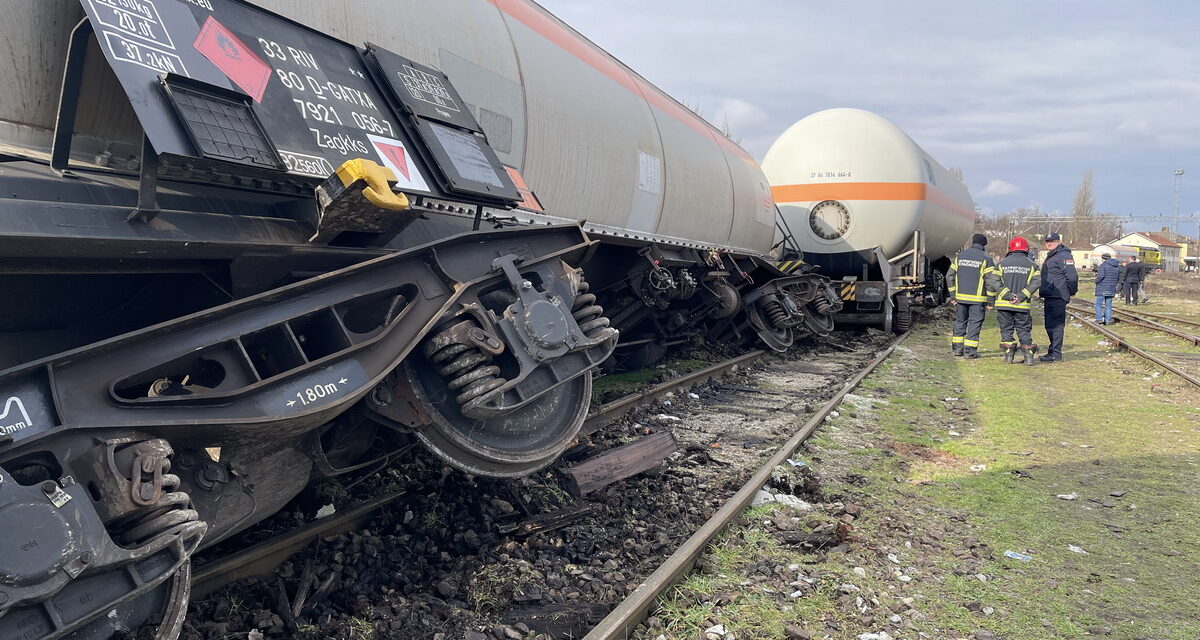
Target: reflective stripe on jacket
972, 277
1018, 276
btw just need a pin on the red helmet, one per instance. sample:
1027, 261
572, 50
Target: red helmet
1018, 244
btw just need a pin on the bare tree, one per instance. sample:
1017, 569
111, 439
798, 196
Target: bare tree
1084, 205
1083, 213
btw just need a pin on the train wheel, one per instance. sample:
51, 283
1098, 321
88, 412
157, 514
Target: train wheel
816, 321
903, 320
509, 445
889, 316
776, 337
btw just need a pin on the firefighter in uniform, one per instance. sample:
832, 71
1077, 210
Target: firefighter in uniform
972, 281
1019, 281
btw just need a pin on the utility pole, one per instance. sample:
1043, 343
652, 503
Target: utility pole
1175, 201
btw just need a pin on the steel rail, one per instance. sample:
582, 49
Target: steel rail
630, 612
1159, 316
1108, 333
610, 411
1137, 320
263, 558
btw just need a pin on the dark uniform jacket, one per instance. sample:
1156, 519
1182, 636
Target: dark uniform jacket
1107, 276
1059, 278
972, 277
1135, 272
1019, 280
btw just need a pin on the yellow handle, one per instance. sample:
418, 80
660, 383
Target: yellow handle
379, 181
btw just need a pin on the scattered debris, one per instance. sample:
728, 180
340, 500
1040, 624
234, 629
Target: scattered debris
326, 511
1018, 556
1067, 496
715, 632
621, 462
766, 497
1074, 549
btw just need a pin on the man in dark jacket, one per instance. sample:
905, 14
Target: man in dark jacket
972, 281
1060, 281
1106, 287
1133, 280
1019, 280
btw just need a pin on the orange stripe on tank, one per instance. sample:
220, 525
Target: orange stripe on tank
849, 191
815, 192
574, 44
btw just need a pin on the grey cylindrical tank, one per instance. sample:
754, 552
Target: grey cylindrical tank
592, 139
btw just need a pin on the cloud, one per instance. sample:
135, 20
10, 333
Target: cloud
998, 188
980, 86
739, 115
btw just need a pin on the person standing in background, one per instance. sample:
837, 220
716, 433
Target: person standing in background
972, 281
1107, 275
1121, 278
1019, 280
1147, 271
1060, 281
1133, 280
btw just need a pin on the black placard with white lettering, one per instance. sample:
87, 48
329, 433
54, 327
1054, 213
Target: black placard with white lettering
312, 93
457, 148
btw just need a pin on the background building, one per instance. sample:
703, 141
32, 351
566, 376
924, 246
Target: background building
1170, 252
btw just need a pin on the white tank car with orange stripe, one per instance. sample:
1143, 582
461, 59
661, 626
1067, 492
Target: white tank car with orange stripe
848, 180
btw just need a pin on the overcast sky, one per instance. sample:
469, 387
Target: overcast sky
1022, 95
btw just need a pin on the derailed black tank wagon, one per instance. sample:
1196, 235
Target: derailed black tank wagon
239, 253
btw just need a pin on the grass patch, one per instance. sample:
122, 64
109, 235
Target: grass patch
963, 460
615, 385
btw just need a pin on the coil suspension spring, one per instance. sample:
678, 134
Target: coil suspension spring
464, 365
824, 307
589, 315
164, 508
776, 313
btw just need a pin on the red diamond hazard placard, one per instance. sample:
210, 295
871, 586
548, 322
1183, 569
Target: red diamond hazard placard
397, 158
233, 58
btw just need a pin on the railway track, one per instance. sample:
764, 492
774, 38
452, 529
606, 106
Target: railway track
1184, 365
636, 607
1161, 317
263, 559
1144, 320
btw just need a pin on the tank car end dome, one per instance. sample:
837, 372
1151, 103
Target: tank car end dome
848, 180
